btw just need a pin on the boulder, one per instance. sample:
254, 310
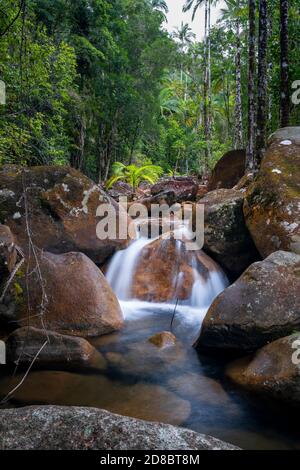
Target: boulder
8, 252
61, 204
121, 189
163, 339
185, 188
261, 306
166, 271
272, 204
67, 294
274, 371
77, 428
226, 237
48, 348
228, 171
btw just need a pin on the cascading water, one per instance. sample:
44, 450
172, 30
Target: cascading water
124, 264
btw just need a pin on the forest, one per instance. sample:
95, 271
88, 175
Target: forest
94, 82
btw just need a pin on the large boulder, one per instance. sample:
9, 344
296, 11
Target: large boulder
228, 171
47, 348
61, 205
184, 188
166, 271
261, 306
65, 293
226, 237
272, 204
75, 428
274, 370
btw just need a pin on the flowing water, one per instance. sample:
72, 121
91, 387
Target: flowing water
175, 385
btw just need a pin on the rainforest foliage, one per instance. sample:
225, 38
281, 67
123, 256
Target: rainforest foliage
94, 82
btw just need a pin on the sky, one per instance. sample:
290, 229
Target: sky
176, 16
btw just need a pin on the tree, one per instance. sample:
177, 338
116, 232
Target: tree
250, 154
161, 6
262, 85
284, 64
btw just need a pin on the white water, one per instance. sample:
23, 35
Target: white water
120, 276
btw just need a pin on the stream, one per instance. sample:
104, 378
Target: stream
174, 384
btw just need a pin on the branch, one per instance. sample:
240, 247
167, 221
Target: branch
14, 19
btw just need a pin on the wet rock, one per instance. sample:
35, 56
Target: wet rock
274, 370
62, 205
272, 204
261, 306
226, 237
71, 297
138, 400
67, 428
163, 340
185, 188
48, 348
166, 271
228, 171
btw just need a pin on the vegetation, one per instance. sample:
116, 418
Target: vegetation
134, 175
94, 82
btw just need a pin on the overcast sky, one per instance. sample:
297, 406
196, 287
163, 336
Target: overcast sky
176, 16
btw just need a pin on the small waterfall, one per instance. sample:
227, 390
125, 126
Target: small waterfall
205, 289
121, 269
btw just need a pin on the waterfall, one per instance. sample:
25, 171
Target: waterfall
205, 288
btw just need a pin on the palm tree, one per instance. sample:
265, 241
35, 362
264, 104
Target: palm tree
161, 6
233, 12
284, 64
186, 36
195, 5
169, 102
134, 175
262, 83
250, 156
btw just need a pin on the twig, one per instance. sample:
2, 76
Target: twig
7, 397
14, 19
173, 316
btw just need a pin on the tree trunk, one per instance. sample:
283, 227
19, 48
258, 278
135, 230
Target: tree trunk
284, 64
238, 136
250, 159
262, 81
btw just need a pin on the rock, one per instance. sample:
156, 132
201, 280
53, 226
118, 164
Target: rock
74, 297
261, 306
121, 189
228, 171
185, 188
62, 205
77, 428
156, 278
8, 252
272, 371
24, 344
202, 191
163, 340
272, 204
226, 237
139, 400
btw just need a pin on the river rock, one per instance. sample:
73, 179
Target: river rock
274, 370
185, 188
61, 204
261, 306
228, 171
272, 204
77, 428
26, 344
165, 271
71, 297
226, 237
121, 189
163, 339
